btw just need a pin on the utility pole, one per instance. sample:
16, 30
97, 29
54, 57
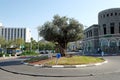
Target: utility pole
31, 45
38, 41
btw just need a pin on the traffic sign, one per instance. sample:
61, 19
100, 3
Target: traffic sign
58, 55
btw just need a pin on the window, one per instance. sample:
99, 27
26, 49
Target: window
87, 34
119, 27
18, 33
104, 16
24, 34
119, 45
90, 33
2, 31
95, 32
111, 14
21, 33
112, 28
107, 15
115, 14
8, 33
12, 34
104, 28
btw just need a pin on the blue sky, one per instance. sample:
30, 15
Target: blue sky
33, 13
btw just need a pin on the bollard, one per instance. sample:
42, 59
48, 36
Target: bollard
50, 55
102, 53
15, 55
9, 55
58, 55
3, 55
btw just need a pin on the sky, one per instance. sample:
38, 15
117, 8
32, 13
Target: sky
34, 13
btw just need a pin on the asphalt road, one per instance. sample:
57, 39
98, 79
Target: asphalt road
15, 70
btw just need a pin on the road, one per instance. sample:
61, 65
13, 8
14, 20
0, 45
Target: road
14, 70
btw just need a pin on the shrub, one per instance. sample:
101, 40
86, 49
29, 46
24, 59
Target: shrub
38, 58
1, 54
28, 53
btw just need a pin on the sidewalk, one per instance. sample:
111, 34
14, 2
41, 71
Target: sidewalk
12, 57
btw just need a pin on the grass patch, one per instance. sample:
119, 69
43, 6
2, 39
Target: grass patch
75, 60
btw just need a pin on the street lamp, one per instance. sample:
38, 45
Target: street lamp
38, 40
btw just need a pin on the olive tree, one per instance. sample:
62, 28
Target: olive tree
61, 30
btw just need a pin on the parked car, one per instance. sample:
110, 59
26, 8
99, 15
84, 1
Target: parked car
46, 51
43, 52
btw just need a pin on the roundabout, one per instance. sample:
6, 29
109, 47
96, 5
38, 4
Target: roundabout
65, 66
16, 67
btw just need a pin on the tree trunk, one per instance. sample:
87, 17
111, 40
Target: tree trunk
63, 48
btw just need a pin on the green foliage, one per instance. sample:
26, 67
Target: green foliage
19, 42
38, 58
6, 55
46, 46
61, 30
29, 53
2, 42
33, 44
1, 54
14, 43
42, 45
27, 46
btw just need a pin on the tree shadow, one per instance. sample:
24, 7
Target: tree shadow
10, 63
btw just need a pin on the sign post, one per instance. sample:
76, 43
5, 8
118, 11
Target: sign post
58, 55
102, 53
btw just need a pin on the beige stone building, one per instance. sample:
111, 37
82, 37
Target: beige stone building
105, 35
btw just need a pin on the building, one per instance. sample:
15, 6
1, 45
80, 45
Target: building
74, 46
105, 35
0, 29
15, 33
91, 39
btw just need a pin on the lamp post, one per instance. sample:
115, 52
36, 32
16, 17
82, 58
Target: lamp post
38, 40
31, 44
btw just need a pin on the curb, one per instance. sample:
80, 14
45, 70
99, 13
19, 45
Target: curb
4, 58
42, 75
65, 66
